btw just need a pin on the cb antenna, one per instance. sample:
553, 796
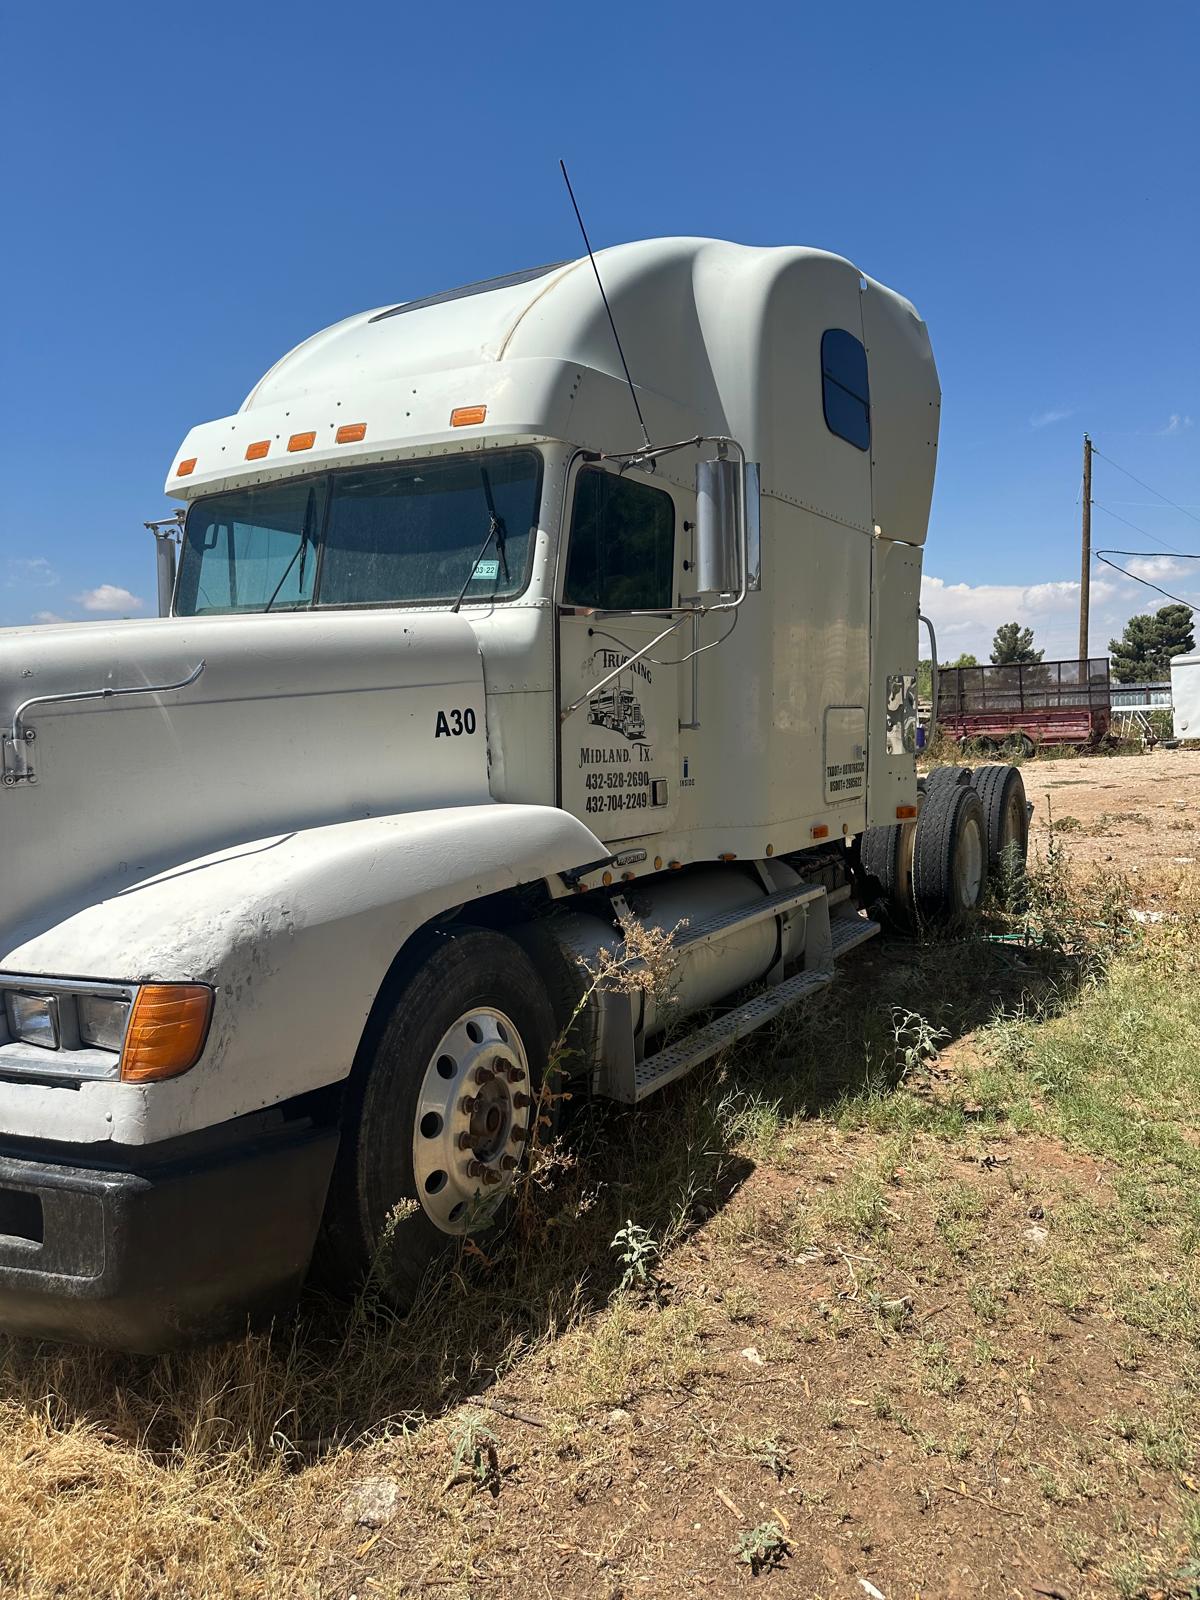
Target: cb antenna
607, 307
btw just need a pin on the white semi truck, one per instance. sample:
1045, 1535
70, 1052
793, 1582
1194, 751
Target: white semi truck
463, 668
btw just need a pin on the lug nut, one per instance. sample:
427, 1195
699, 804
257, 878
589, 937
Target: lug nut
509, 1162
476, 1169
490, 1175
466, 1141
515, 1074
521, 1101
519, 1135
467, 1104
484, 1074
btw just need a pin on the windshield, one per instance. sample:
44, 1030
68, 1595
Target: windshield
394, 535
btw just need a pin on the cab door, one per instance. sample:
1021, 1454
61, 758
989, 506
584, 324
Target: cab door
619, 714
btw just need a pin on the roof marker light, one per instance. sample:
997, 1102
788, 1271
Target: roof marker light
257, 450
350, 433
184, 467
467, 416
302, 441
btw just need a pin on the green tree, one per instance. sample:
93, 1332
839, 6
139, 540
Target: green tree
965, 660
1143, 652
1013, 644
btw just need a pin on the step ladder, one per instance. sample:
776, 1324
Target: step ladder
827, 938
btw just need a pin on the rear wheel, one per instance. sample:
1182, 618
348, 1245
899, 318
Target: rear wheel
886, 854
936, 776
950, 859
1001, 792
439, 1113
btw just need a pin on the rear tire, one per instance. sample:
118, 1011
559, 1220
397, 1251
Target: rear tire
417, 1169
936, 776
950, 859
886, 854
1001, 792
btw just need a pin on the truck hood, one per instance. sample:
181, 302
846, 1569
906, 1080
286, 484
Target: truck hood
295, 720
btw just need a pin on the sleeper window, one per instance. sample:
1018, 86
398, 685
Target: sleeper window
622, 551
846, 396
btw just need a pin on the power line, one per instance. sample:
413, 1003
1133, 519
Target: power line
1099, 504
1102, 556
1149, 487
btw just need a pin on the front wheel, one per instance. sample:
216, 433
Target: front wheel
440, 1112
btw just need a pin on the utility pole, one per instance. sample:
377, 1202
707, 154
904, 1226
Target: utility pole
1086, 571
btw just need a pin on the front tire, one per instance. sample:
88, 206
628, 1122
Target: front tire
440, 1112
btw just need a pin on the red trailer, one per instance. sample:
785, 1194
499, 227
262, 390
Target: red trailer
1042, 702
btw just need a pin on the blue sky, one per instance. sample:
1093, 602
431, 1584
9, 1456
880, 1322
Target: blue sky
190, 192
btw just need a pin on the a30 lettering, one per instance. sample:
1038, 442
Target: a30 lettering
453, 723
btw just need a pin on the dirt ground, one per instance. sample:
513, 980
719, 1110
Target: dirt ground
1133, 811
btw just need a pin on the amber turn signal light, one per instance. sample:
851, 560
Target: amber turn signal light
302, 441
820, 832
350, 433
166, 1031
467, 416
906, 813
184, 467
257, 450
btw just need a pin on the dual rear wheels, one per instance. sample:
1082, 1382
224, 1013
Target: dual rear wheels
972, 824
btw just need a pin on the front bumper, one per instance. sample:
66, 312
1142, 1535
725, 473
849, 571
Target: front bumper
173, 1247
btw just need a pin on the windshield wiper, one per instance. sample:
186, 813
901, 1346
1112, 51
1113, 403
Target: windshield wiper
496, 530
284, 578
297, 555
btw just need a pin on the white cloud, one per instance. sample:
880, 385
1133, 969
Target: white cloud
47, 616
1176, 423
966, 615
1156, 568
1043, 419
109, 597
30, 573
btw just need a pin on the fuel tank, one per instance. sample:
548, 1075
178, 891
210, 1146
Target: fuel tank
702, 973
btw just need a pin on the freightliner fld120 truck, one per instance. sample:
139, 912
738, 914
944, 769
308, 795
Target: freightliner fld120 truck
475, 652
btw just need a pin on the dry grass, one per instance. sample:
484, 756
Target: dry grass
918, 1297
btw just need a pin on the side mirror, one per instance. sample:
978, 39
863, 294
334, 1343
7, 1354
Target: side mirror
166, 531
722, 543
166, 571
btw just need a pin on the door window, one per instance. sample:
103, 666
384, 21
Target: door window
622, 547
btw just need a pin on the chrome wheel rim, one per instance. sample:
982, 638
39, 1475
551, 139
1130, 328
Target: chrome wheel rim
968, 864
474, 1111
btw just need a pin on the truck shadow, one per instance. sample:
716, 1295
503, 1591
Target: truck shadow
340, 1373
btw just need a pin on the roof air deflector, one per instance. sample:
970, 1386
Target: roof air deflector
485, 286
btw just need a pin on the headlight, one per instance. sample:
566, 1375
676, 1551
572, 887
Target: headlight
101, 1020
33, 1018
76, 1028
138, 1033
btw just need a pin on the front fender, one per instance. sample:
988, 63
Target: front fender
296, 933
